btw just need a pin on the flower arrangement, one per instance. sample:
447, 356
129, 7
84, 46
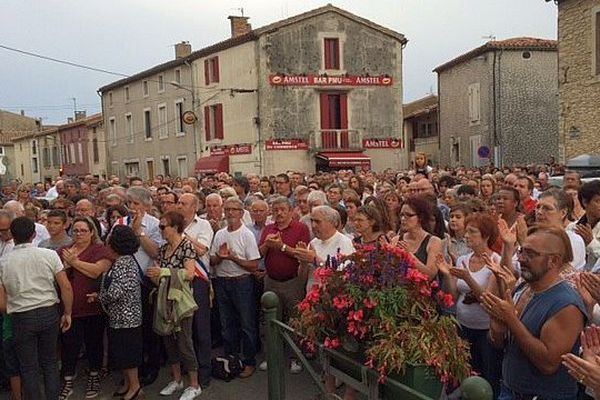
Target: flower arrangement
380, 303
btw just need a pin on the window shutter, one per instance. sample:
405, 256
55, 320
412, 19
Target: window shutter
207, 122
215, 69
344, 110
325, 123
327, 47
219, 121
206, 72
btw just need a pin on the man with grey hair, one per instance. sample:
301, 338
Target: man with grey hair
234, 257
315, 198
146, 227
6, 240
17, 210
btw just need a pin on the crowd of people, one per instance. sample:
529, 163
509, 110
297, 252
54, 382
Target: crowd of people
135, 274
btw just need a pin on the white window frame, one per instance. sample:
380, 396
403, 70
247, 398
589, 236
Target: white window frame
474, 100
112, 131
146, 138
341, 37
162, 165
145, 88
177, 75
34, 147
161, 83
163, 123
110, 99
150, 160
72, 153
178, 120
80, 152
129, 127
184, 158
127, 94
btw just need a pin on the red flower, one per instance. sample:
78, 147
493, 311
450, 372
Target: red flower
332, 343
416, 276
370, 363
356, 315
323, 274
370, 303
446, 298
314, 295
304, 306
342, 302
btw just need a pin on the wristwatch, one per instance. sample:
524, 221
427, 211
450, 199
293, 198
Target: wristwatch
283, 248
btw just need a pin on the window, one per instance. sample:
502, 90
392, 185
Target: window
34, 165
80, 151
72, 153
213, 122
334, 120
112, 131
150, 168
166, 166
46, 157
332, 53
145, 89
95, 152
34, 147
180, 128
126, 94
22, 170
161, 84
211, 70
596, 39
182, 166
132, 168
163, 125
110, 99
148, 124
178, 75
474, 105
55, 158
129, 127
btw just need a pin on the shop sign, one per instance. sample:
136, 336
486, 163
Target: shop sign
231, 150
382, 143
342, 80
286, 144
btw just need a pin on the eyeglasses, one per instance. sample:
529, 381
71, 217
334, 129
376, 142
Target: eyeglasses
80, 231
529, 254
232, 209
258, 211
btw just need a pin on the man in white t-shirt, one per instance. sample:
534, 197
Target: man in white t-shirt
234, 257
326, 247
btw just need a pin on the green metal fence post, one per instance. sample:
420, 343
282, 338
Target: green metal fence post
275, 350
476, 388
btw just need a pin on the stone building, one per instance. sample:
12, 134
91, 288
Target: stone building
579, 77
80, 146
13, 125
421, 128
499, 103
37, 155
320, 90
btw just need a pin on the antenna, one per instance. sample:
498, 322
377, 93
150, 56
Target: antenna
74, 104
240, 9
491, 36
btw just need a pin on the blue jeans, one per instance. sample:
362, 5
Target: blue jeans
36, 336
237, 307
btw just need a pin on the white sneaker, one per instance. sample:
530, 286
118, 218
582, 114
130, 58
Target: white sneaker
295, 366
191, 393
171, 388
263, 366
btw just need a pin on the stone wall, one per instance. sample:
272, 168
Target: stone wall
579, 121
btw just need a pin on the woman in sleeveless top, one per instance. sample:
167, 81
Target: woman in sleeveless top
416, 215
367, 221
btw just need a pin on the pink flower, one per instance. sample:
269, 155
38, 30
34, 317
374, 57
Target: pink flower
304, 306
342, 302
356, 315
314, 295
332, 343
369, 303
370, 363
446, 298
416, 276
323, 274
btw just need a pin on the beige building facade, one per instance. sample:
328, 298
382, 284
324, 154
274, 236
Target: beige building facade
37, 156
421, 128
579, 77
318, 91
13, 125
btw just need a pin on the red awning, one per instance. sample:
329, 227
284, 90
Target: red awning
212, 164
343, 160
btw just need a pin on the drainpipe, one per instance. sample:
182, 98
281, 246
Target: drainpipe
257, 119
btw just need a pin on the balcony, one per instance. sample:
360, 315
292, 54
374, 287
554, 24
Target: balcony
336, 139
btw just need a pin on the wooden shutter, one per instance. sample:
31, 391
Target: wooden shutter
207, 122
206, 72
219, 121
215, 65
344, 139
332, 53
327, 54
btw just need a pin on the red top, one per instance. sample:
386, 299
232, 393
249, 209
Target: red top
529, 205
83, 285
282, 266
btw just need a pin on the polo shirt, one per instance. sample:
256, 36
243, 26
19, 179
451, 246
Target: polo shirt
281, 266
200, 230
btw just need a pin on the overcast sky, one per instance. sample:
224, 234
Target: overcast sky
129, 36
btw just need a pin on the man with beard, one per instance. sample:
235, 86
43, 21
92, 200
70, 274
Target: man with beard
540, 322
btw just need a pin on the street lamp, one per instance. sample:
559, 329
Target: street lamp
179, 86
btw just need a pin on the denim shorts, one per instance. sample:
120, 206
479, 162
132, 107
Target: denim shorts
10, 358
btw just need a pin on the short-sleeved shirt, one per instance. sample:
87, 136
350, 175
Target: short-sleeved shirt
184, 251
28, 275
50, 244
199, 229
151, 230
241, 242
83, 285
279, 265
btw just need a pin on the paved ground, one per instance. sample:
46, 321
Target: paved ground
298, 387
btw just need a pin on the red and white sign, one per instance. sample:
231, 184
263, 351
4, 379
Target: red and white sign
342, 80
231, 150
286, 144
386, 143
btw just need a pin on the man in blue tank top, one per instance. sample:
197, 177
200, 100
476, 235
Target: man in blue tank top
539, 323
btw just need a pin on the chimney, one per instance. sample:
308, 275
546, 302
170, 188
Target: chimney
69, 120
183, 49
79, 115
239, 26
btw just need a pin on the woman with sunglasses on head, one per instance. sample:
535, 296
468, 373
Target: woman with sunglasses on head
176, 254
85, 261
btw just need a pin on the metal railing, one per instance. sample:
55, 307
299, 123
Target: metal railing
279, 335
336, 139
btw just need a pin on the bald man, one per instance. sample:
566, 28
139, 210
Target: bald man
17, 210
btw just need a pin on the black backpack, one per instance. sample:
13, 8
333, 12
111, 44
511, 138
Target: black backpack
226, 368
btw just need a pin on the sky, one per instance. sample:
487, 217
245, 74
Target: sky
128, 36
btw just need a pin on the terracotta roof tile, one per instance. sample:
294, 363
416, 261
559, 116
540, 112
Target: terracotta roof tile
420, 106
518, 43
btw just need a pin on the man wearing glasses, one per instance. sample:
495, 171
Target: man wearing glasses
540, 322
234, 256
